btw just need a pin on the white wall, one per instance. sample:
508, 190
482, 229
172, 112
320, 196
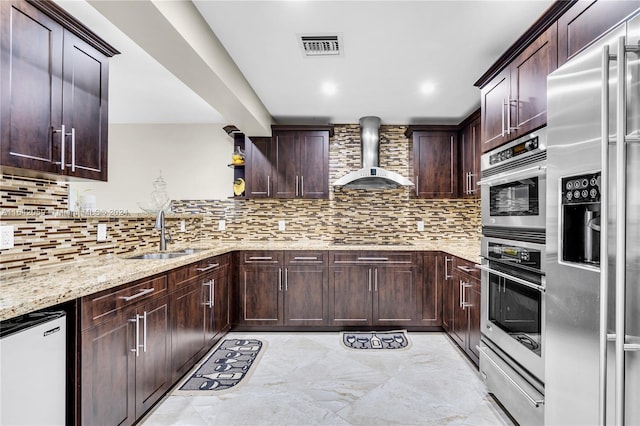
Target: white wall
193, 159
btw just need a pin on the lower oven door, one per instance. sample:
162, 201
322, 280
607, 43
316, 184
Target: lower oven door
512, 316
518, 392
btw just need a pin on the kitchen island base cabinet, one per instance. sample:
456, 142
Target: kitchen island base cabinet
125, 359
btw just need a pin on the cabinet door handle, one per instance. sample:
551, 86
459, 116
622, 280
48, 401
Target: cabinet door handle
369, 279
510, 127
417, 186
286, 279
461, 292
375, 280
209, 303
446, 270
296, 186
302, 186
268, 186
144, 332
504, 102
208, 268
141, 293
465, 304
63, 145
136, 320
279, 279
73, 149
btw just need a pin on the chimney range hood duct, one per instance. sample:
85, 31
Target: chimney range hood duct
370, 176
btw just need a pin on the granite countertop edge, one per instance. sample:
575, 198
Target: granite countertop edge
29, 291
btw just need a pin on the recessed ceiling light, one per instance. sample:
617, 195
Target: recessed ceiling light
329, 88
428, 88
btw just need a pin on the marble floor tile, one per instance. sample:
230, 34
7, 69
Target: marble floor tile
310, 379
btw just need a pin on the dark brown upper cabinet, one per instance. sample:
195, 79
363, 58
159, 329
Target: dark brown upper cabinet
300, 162
470, 151
514, 101
434, 152
54, 93
586, 21
258, 169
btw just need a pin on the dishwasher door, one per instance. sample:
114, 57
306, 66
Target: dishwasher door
33, 369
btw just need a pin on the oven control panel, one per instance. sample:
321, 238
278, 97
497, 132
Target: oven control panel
514, 151
581, 189
514, 254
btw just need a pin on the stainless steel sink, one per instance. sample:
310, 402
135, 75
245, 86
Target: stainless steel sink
165, 255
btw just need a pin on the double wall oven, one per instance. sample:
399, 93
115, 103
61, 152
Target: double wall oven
513, 189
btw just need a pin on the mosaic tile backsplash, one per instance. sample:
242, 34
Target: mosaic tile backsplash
46, 233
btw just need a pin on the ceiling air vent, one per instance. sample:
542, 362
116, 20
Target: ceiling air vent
321, 45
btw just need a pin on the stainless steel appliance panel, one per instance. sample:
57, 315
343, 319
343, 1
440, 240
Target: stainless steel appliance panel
518, 392
573, 297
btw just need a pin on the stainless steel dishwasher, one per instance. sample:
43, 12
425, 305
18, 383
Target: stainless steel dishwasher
33, 369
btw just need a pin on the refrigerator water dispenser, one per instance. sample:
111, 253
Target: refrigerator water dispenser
580, 219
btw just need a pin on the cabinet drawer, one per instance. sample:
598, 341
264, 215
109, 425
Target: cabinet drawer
305, 257
380, 258
180, 276
466, 267
106, 304
261, 256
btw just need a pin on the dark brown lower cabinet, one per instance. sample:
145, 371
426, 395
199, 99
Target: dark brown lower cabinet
464, 328
189, 309
305, 290
220, 303
125, 370
199, 310
449, 296
372, 289
283, 289
350, 300
430, 290
260, 289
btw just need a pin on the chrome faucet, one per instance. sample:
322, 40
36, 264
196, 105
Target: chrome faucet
164, 235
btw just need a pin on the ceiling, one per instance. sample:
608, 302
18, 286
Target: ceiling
393, 51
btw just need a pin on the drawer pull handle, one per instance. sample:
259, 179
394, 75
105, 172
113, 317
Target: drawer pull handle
305, 258
374, 259
466, 268
260, 258
139, 294
208, 268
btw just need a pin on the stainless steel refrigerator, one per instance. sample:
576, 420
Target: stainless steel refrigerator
592, 359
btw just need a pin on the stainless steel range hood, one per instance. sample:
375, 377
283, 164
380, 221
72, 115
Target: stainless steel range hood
371, 176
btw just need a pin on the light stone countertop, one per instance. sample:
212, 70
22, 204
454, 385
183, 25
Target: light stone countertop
24, 292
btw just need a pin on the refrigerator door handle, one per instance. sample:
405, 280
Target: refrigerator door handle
604, 237
621, 230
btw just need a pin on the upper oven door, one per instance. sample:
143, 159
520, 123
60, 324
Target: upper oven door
515, 198
514, 184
